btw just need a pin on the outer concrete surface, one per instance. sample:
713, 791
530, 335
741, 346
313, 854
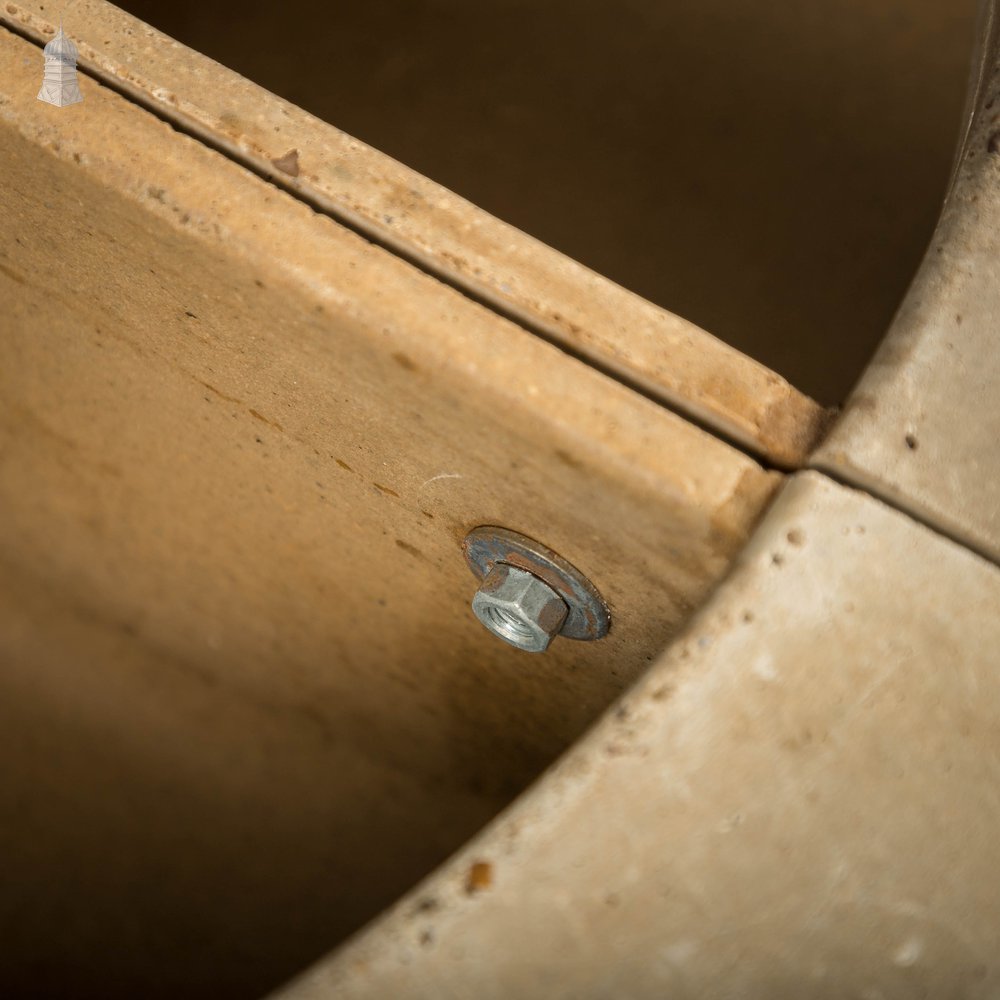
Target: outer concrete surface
671, 358
922, 429
799, 799
239, 449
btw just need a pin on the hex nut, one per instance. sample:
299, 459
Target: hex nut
488, 544
519, 608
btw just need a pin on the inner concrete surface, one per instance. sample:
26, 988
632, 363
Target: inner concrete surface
244, 703
771, 172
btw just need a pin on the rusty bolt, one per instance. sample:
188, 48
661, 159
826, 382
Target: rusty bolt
519, 608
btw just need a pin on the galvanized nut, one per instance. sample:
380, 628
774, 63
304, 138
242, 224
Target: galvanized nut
519, 608
529, 593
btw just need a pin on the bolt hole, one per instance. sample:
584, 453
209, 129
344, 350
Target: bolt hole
509, 625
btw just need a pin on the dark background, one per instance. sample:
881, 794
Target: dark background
771, 172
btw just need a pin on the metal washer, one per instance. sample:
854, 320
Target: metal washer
588, 616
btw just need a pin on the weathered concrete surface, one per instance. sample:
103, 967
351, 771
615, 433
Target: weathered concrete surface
239, 449
671, 358
799, 799
922, 429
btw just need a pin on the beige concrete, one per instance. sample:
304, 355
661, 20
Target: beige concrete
798, 800
670, 358
769, 172
245, 702
923, 427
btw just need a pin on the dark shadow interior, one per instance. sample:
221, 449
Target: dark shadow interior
771, 172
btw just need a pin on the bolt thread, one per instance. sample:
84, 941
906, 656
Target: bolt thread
509, 625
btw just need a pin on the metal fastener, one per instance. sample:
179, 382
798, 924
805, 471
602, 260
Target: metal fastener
519, 608
529, 594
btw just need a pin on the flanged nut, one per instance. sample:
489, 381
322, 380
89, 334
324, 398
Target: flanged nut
519, 608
